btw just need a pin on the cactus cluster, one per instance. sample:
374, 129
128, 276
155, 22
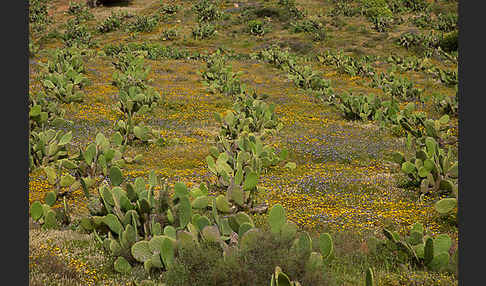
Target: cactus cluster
302, 242
46, 147
397, 86
312, 26
138, 226
102, 158
206, 11
431, 168
411, 63
240, 154
347, 64
44, 112
135, 98
417, 248
219, 77
303, 76
355, 107
447, 105
64, 76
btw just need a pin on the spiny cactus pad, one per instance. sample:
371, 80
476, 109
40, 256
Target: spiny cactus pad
277, 218
326, 245
141, 251
122, 266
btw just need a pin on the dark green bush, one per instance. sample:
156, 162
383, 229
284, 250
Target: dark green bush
450, 41
205, 265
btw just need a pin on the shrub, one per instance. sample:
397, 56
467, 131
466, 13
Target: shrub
450, 42
205, 265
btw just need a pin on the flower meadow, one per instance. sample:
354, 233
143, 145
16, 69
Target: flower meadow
345, 181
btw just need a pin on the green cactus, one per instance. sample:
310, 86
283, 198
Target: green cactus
445, 206
211, 233
222, 204
167, 252
122, 266
113, 223
244, 228
326, 245
277, 218
36, 210
303, 245
200, 202
116, 176
141, 251
202, 222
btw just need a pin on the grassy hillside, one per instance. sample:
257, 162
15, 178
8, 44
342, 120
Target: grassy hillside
302, 56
